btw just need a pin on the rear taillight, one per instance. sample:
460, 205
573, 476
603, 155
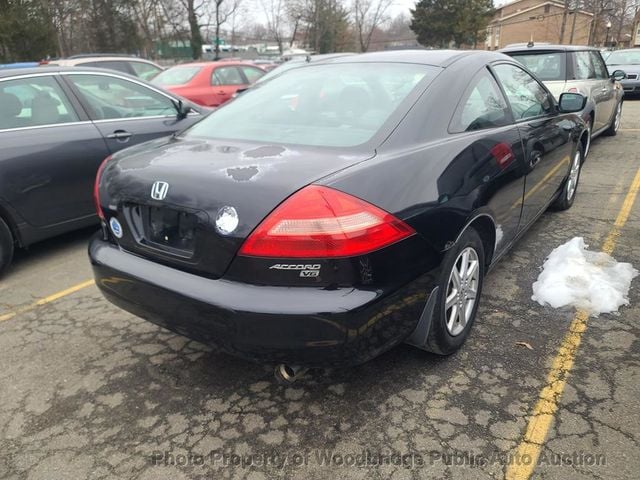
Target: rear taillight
319, 222
96, 188
572, 90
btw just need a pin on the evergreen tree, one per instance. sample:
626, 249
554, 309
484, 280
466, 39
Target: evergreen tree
440, 22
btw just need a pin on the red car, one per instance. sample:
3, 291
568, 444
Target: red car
209, 83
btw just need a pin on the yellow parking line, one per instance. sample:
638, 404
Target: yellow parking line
45, 300
545, 408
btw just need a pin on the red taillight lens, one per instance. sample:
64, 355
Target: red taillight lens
96, 188
319, 222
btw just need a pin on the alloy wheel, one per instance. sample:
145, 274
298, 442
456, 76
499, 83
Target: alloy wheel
462, 291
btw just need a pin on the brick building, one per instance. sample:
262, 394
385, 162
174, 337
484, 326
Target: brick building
522, 20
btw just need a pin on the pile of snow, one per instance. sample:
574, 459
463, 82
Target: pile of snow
593, 281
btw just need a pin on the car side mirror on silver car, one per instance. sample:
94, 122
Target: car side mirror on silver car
182, 109
618, 75
572, 102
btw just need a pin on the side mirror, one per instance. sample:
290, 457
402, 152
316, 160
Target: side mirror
572, 102
618, 75
181, 109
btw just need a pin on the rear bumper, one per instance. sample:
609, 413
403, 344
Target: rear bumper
305, 326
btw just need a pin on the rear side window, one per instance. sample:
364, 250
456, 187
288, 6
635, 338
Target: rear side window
547, 66
145, 71
252, 74
177, 75
482, 106
226, 76
31, 102
583, 68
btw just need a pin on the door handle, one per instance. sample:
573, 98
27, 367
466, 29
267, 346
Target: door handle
120, 135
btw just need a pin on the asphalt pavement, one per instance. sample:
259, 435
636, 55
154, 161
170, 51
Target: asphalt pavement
89, 391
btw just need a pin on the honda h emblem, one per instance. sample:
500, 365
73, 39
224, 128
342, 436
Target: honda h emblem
159, 190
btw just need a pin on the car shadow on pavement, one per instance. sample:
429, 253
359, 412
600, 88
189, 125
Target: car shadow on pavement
50, 249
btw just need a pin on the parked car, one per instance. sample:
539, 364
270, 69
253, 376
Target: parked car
56, 127
629, 62
138, 67
266, 65
209, 83
340, 209
569, 68
7, 66
295, 62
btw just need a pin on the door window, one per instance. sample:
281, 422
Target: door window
30, 102
582, 67
482, 106
252, 74
227, 76
526, 96
113, 97
146, 71
599, 66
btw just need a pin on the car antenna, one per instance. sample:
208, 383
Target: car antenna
530, 44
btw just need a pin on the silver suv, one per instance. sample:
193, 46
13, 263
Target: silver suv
569, 68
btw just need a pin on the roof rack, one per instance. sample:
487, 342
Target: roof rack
86, 55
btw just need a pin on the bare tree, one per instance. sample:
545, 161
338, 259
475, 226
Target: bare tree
368, 15
274, 13
224, 9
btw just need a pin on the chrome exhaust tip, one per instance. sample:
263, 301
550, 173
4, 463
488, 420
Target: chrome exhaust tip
288, 374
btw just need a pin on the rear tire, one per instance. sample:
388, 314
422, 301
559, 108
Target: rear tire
570, 188
612, 131
6, 246
449, 330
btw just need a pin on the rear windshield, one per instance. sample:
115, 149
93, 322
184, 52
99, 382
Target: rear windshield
176, 76
630, 57
546, 65
337, 105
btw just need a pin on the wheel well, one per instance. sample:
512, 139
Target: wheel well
591, 119
12, 226
486, 229
584, 139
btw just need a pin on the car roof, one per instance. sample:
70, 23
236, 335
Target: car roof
635, 49
438, 58
545, 47
215, 63
19, 72
69, 62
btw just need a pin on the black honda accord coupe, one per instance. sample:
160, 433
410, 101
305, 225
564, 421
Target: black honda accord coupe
339, 209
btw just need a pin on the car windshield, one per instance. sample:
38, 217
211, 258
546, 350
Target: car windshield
629, 57
176, 75
324, 105
546, 65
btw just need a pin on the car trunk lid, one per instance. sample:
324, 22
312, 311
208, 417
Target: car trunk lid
167, 195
